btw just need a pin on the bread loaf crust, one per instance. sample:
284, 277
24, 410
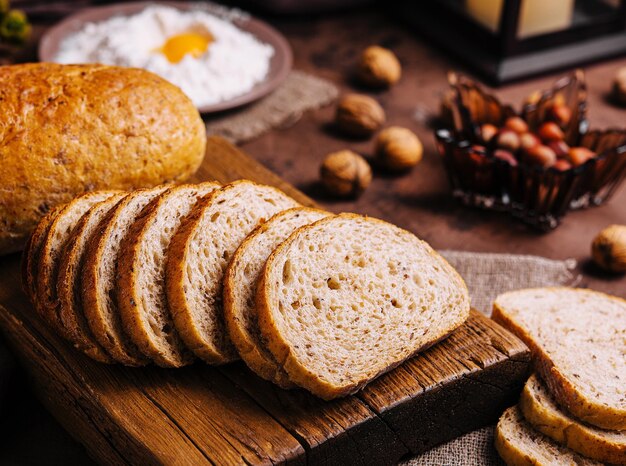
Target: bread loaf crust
559, 385
69, 129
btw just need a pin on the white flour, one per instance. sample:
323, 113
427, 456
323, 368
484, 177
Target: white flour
231, 66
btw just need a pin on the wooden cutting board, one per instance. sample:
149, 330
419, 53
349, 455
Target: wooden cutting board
227, 415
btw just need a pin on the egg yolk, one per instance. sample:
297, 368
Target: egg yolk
176, 47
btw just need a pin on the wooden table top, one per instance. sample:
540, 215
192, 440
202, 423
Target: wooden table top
326, 46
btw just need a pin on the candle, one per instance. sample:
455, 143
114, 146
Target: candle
536, 16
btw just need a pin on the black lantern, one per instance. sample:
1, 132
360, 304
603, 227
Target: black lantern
506, 40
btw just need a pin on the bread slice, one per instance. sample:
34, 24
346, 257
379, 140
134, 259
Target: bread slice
30, 256
348, 298
578, 341
199, 254
520, 445
141, 275
542, 412
240, 284
71, 313
49, 257
100, 273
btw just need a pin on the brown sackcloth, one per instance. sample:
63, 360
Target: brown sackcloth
282, 108
488, 275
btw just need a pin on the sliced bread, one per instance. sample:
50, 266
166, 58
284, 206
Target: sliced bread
518, 444
542, 412
30, 256
240, 284
71, 314
99, 277
578, 341
199, 254
348, 298
141, 275
58, 233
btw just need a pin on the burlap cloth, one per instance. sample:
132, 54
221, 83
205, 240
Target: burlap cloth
488, 275
282, 108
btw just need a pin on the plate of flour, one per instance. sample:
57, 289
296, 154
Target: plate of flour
222, 58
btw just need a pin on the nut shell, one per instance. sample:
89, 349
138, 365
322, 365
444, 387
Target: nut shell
609, 249
359, 115
345, 173
378, 67
398, 148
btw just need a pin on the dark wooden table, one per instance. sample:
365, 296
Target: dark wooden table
419, 201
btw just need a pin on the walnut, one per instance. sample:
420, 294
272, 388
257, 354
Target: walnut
609, 248
378, 67
359, 115
345, 173
398, 148
619, 87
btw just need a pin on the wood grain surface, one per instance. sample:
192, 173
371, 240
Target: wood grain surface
205, 415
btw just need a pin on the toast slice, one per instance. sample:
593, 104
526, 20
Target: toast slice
348, 298
99, 279
542, 412
58, 233
30, 256
518, 444
199, 254
240, 284
141, 275
71, 314
578, 341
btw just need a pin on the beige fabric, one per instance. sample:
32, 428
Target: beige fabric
488, 275
299, 93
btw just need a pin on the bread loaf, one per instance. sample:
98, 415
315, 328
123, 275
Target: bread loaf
348, 298
240, 284
541, 411
69, 129
578, 341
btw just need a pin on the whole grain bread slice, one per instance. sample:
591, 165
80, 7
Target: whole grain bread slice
199, 254
99, 278
348, 298
30, 256
578, 341
240, 284
141, 280
518, 444
58, 233
71, 313
545, 416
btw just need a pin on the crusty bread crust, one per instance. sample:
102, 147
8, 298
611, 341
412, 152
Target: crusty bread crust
74, 325
51, 249
253, 352
561, 388
544, 416
89, 127
281, 348
130, 288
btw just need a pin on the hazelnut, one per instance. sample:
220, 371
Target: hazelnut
533, 98
541, 155
560, 148
516, 124
345, 173
359, 115
619, 87
507, 140
579, 155
398, 148
505, 156
559, 113
378, 67
550, 131
528, 140
609, 249
562, 165
488, 131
